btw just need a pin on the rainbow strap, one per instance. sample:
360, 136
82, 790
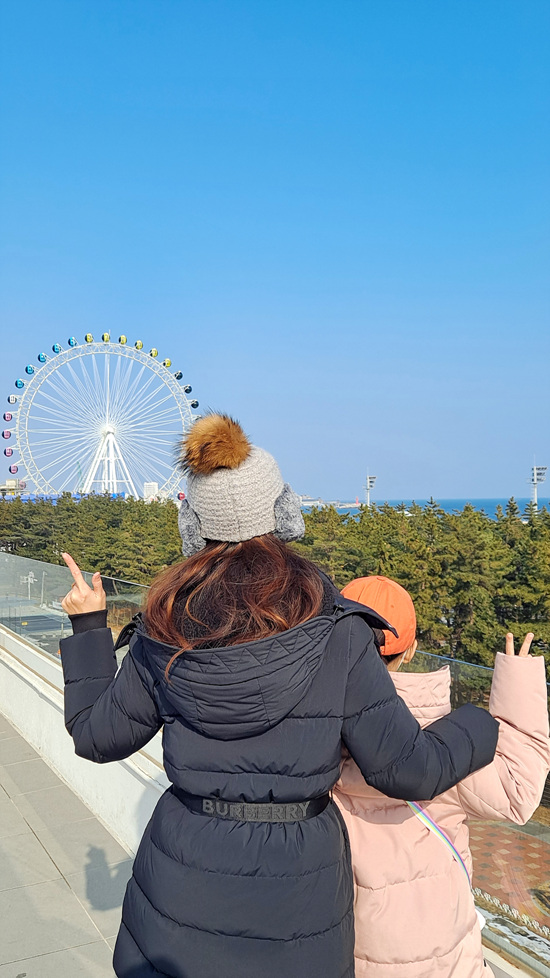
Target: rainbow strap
434, 827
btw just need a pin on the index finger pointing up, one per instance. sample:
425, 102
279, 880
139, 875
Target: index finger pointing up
75, 571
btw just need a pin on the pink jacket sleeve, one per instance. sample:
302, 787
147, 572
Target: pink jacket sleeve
511, 786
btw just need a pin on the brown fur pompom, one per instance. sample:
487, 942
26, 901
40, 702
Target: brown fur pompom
215, 441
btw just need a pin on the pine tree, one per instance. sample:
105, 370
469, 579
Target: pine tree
475, 562
471, 578
325, 544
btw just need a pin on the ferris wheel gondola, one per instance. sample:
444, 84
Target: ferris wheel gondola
98, 417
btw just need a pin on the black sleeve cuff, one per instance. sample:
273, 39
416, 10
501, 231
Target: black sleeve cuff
87, 656
89, 620
482, 730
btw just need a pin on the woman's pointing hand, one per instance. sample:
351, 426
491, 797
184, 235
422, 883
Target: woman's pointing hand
83, 598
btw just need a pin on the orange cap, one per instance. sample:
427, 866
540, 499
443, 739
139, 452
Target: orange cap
393, 603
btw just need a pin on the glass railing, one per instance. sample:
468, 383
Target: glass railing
469, 683
511, 862
30, 600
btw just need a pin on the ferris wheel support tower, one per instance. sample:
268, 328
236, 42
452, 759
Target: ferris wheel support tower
108, 460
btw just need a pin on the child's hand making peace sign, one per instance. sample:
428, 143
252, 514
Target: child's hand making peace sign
524, 650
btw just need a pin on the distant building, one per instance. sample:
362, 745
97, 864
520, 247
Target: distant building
150, 491
12, 487
307, 501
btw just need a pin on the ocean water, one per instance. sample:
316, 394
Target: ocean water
489, 506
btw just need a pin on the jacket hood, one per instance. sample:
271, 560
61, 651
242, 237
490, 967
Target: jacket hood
427, 694
243, 690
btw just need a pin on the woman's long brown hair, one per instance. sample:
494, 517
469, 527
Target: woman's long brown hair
230, 593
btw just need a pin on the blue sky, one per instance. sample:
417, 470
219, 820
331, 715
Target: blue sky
334, 216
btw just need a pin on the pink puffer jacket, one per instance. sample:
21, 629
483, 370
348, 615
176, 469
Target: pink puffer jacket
414, 910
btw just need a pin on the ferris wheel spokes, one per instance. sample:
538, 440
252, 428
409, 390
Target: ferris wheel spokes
87, 423
85, 390
143, 401
128, 392
50, 453
75, 398
120, 383
138, 465
138, 411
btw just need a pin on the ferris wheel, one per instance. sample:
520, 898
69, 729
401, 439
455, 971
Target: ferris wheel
99, 417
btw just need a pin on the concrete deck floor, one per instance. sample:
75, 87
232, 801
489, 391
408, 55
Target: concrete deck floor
62, 875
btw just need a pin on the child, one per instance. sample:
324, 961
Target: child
414, 909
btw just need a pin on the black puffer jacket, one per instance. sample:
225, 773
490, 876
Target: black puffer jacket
262, 721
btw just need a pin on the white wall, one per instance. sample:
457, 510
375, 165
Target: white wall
121, 794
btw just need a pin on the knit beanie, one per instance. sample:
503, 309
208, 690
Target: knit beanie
235, 490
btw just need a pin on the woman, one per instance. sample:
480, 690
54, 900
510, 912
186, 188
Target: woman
258, 670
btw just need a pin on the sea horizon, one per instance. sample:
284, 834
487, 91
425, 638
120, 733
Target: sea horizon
487, 505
